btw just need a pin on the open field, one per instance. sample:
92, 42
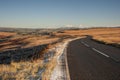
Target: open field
6, 34
107, 35
110, 39
24, 53
22, 56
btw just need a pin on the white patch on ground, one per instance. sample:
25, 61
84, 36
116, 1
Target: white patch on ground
59, 72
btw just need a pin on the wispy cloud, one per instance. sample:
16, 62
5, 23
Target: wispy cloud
69, 25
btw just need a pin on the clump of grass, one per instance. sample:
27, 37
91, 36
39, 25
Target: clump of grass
7, 68
49, 68
21, 70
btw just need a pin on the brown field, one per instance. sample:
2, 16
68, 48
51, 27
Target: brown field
26, 68
107, 35
18, 41
6, 34
109, 39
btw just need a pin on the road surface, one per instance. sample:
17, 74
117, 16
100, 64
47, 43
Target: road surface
89, 60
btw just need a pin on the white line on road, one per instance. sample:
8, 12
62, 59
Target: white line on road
100, 52
82, 42
85, 44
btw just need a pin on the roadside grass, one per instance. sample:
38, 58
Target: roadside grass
113, 40
108, 39
53, 61
25, 41
106, 35
49, 68
21, 70
24, 70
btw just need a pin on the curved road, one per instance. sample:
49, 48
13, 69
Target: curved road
89, 60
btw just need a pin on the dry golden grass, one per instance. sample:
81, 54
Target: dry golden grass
108, 39
108, 35
21, 70
24, 69
6, 34
34, 41
52, 63
49, 68
90, 31
18, 41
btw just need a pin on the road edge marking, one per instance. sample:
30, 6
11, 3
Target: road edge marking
67, 68
66, 60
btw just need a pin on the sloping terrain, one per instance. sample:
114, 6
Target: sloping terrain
26, 54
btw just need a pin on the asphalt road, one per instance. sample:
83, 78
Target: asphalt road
89, 60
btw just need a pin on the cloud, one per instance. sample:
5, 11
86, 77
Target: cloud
68, 25
80, 25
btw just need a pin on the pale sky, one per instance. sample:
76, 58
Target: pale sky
59, 13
